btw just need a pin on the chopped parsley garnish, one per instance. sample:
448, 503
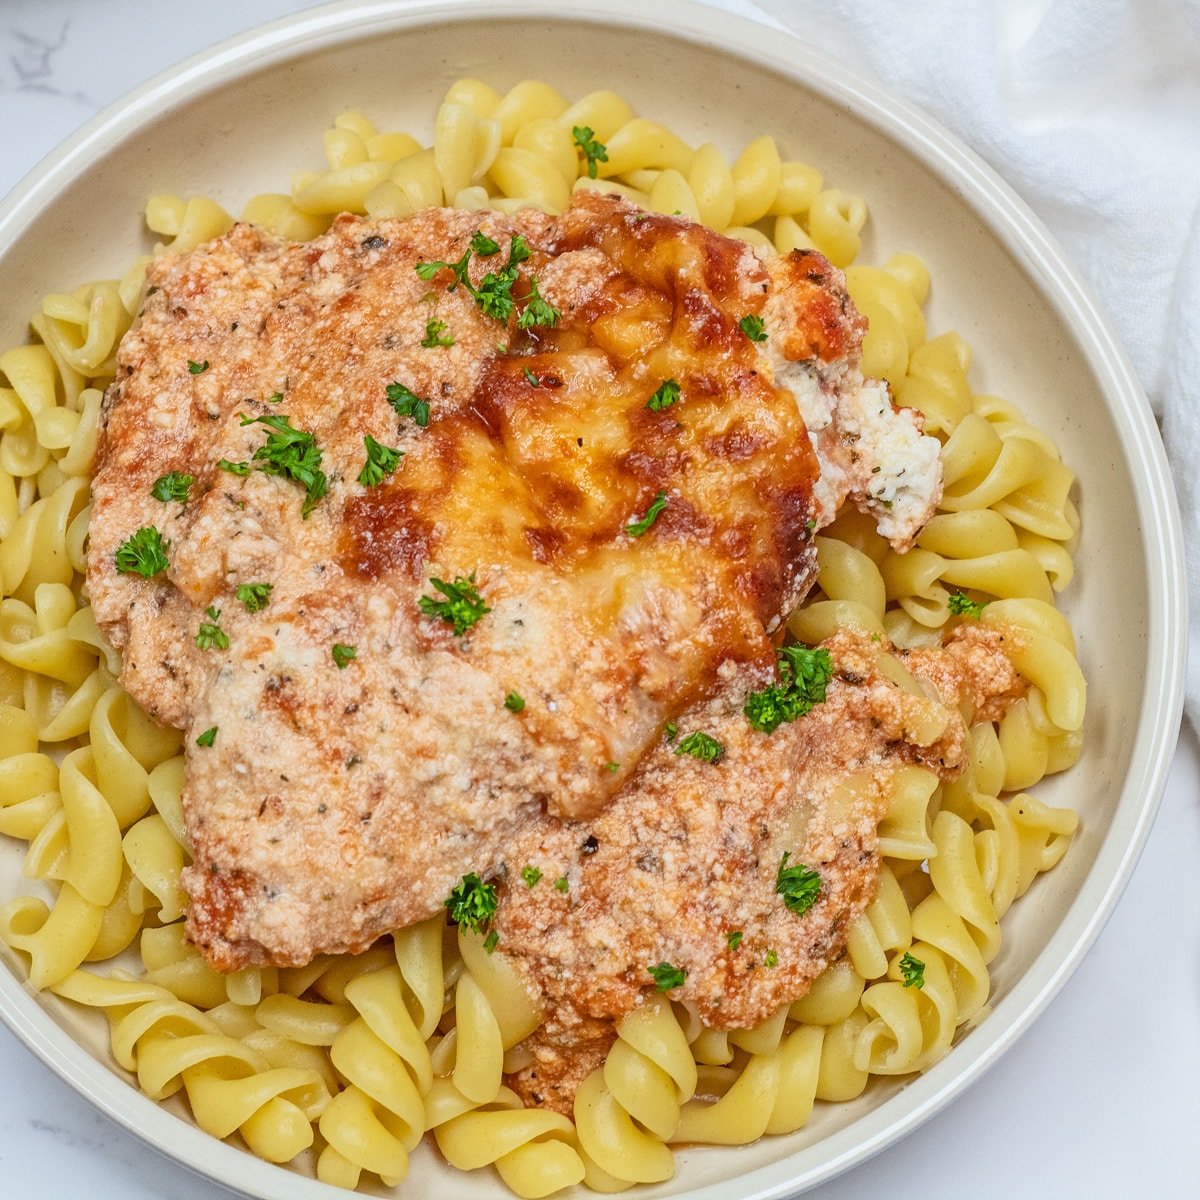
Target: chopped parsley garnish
172, 486
472, 903
702, 746
562, 884
664, 397
491, 941
530, 875
435, 335
537, 311
612, 767
408, 404
254, 595
667, 977
513, 702
197, 368
642, 526
913, 970
733, 939
427, 270
381, 461
670, 731
810, 524
275, 398
518, 250
234, 468
483, 245
292, 454
752, 327
462, 607
771, 959
961, 605
803, 677
208, 737
343, 655
799, 885
211, 634
144, 553
494, 293
534, 381
593, 151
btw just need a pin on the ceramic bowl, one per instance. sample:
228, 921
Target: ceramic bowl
242, 117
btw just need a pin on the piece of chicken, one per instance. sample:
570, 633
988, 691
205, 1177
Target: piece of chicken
330, 799
691, 852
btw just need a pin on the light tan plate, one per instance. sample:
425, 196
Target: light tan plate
240, 118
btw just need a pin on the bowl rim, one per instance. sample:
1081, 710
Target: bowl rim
1014, 224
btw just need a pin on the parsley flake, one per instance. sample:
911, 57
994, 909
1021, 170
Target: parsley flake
534, 381
234, 468
513, 702
670, 731
913, 970
143, 553
803, 677
483, 245
435, 335
494, 294
530, 875
211, 634
427, 270
733, 939
491, 941
172, 486
961, 605
537, 311
752, 327
771, 959
197, 368
254, 595
642, 526
702, 746
381, 461
343, 655
799, 885
462, 607
612, 767
666, 395
518, 250
593, 151
562, 884
208, 737
667, 977
292, 454
472, 903
408, 403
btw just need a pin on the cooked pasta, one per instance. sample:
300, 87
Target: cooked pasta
360, 1057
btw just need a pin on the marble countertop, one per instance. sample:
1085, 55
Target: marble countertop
1099, 1099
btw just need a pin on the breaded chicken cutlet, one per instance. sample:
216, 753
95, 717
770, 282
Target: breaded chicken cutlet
480, 503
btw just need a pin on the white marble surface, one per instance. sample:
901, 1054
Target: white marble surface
1101, 1098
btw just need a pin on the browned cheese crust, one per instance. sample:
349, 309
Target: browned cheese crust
337, 804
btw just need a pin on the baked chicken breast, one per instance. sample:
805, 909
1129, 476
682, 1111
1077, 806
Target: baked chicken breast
474, 505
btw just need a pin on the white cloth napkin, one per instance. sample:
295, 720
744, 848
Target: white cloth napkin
1090, 109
